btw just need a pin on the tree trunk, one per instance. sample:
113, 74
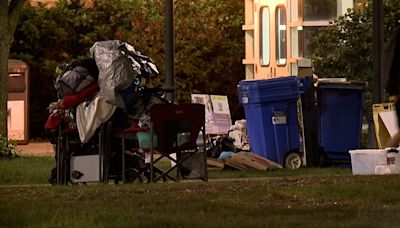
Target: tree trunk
9, 15
5, 43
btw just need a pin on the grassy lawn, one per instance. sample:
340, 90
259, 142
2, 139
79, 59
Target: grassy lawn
26, 170
310, 197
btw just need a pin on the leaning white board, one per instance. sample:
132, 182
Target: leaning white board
389, 119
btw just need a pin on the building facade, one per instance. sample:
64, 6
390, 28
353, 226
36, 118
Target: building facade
278, 33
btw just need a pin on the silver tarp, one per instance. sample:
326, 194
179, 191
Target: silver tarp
117, 70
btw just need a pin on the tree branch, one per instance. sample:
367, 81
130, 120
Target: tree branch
3, 9
3, 4
14, 12
14, 6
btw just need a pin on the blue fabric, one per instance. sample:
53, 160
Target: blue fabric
144, 139
224, 155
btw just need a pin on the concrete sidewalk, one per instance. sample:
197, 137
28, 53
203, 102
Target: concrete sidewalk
36, 149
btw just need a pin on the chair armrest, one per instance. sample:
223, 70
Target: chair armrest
136, 129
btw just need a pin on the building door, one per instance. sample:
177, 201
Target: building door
271, 39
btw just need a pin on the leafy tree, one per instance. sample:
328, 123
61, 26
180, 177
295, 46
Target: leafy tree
344, 49
50, 36
208, 43
9, 15
209, 49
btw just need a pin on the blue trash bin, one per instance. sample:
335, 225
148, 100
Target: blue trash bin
271, 113
340, 114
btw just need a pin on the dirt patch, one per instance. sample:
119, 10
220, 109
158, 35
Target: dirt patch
36, 149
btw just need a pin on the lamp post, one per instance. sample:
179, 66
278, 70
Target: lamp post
378, 92
169, 45
377, 85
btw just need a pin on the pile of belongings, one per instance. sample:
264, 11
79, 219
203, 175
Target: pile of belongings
111, 82
233, 151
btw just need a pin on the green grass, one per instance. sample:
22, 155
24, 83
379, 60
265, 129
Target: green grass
26, 170
229, 173
36, 170
308, 197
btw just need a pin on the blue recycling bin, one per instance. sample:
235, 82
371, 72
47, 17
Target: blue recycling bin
340, 114
271, 113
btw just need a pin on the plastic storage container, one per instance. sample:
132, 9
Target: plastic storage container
340, 112
364, 162
271, 113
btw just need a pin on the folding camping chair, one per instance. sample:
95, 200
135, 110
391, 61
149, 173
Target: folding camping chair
135, 143
69, 149
135, 140
177, 128
130, 134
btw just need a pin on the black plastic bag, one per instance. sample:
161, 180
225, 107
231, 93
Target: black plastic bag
217, 145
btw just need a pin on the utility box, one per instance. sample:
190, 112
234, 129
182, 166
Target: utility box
18, 101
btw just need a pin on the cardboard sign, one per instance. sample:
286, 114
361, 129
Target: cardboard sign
218, 117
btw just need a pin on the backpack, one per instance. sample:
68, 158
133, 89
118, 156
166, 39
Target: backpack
74, 77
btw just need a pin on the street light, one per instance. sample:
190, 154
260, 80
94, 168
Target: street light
378, 92
377, 85
169, 45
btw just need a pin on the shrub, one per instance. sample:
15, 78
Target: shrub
344, 49
7, 148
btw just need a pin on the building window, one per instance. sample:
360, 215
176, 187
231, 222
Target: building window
297, 41
281, 47
310, 32
319, 10
264, 36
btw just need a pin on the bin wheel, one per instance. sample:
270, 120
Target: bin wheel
293, 161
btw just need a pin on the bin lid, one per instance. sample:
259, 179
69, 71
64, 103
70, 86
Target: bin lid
341, 83
17, 64
266, 90
256, 84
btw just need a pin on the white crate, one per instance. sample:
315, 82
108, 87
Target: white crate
363, 162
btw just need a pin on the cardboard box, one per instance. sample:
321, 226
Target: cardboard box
304, 68
385, 122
